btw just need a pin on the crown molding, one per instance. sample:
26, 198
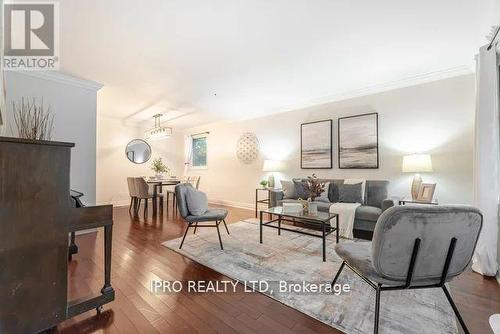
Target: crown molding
63, 78
383, 87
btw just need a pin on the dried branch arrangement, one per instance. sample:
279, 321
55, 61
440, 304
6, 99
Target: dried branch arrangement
314, 187
33, 121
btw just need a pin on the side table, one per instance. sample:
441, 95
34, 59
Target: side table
405, 201
264, 200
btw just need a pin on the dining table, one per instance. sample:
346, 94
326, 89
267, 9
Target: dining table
158, 185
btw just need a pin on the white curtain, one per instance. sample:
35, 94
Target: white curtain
486, 160
188, 152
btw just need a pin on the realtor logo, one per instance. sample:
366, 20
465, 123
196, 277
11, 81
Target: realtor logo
31, 36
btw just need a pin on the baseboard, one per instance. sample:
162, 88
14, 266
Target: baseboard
498, 277
124, 202
239, 205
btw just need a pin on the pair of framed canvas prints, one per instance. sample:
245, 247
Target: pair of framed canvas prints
357, 143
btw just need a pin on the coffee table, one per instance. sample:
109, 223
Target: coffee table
321, 220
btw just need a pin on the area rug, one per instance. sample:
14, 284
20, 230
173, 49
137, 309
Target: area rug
294, 257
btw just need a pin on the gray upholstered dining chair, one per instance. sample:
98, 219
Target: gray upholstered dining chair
143, 192
211, 215
415, 247
132, 193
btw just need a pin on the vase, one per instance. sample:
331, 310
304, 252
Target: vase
159, 176
313, 208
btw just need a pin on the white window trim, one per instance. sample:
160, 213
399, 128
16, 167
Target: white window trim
191, 165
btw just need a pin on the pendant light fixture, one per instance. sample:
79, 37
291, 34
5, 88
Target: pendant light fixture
159, 131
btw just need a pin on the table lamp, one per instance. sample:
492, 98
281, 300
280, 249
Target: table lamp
416, 163
272, 166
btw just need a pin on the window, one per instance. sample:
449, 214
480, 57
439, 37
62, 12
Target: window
199, 159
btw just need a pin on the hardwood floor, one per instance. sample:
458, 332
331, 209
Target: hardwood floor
138, 257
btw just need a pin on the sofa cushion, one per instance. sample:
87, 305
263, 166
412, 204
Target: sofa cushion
366, 212
300, 189
323, 206
364, 225
350, 193
288, 189
376, 192
333, 192
323, 197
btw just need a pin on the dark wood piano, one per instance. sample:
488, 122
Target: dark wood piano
36, 216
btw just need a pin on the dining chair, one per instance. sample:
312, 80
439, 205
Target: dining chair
415, 247
215, 215
132, 193
143, 192
195, 181
182, 179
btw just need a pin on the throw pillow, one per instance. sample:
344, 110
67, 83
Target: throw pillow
363, 186
324, 195
197, 201
300, 189
350, 193
288, 189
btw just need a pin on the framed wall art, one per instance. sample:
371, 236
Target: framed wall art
316, 145
358, 141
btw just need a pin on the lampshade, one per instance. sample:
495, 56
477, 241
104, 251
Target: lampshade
272, 166
417, 163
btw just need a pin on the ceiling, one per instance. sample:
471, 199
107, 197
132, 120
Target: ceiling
233, 59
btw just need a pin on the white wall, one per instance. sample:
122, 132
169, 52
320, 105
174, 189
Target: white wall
113, 167
73, 102
435, 118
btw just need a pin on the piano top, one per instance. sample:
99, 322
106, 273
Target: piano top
35, 142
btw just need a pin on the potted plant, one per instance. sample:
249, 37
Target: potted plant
159, 167
263, 183
314, 188
32, 119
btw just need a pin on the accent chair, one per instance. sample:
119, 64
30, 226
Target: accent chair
415, 247
211, 215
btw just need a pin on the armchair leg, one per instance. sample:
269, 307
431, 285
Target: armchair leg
184, 237
338, 273
131, 202
377, 309
195, 227
455, 309
218, 232
224, 221
145, 208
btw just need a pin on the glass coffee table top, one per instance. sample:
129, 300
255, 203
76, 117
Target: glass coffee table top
319, 216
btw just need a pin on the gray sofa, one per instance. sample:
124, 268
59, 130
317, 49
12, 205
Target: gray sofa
375, 202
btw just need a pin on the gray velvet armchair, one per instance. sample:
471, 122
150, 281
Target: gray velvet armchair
415, 247
211, 215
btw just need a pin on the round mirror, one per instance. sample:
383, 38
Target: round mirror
138, 151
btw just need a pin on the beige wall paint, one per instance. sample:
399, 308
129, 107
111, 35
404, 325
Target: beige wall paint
435, 118
113, 167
